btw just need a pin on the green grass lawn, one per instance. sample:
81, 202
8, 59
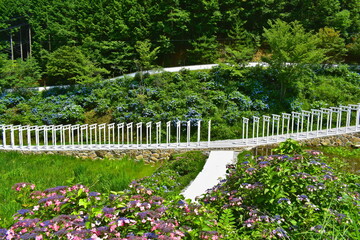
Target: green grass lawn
47, 171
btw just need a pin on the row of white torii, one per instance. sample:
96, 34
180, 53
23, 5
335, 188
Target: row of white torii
255, 131
94, 136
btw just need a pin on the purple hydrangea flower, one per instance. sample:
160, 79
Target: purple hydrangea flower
263, 164
303, 197
94, 194
284, 200
23, 211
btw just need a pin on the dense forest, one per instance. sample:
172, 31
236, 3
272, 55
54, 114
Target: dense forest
84, 40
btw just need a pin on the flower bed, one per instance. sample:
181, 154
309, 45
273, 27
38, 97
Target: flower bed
300, 196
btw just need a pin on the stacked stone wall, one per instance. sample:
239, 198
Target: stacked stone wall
345, 140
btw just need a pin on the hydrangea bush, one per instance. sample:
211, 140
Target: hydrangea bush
76, 213
291, 197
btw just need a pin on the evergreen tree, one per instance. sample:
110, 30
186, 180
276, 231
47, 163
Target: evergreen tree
69, 65
292, 51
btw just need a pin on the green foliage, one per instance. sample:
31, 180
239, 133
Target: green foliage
225, 95
107, 31
227, 222
354, 49
69, 65
19, 74
291, 43
288, 196
330, 86
345, 158
331, 40
292, 49
119, 55
204, 50
290, 146
242, 47
341, 20
146, 56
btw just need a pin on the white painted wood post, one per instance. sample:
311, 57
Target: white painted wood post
275, 121
3, 127
326, 111
47, 128
266, 125
2, 130
158, 133
66, 127
72, 135
37, 135
57, 128
120, 126
347, 110
23, 128
296, 115
83, 128
16, 128
245, 130
306, 115
102, 132
337, 111
12, 137
256, 122
87, 133
348, 118
188, 133
317, 113
178, 132
31, 128
61, 134
330, 121
45, 136
355, 108
209, 132
285, 116
357, 118
168, 132
20, 136
148, 133
93, 127
53, 135
111, 130
198, 132
129, 133
73, 129
139, 134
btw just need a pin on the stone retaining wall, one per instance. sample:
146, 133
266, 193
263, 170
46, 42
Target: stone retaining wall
338, 140
148, 155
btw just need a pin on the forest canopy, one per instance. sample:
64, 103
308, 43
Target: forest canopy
107, 34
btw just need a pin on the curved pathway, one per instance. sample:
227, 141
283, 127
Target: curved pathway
169, 69
214, 169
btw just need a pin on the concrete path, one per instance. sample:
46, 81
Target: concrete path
214, 168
